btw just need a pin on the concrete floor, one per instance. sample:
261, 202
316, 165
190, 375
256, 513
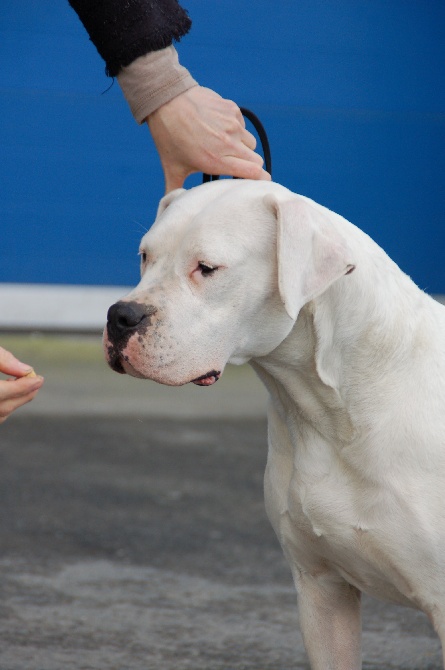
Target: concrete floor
133, 530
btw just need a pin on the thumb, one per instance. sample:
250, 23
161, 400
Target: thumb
173, 180
10, 365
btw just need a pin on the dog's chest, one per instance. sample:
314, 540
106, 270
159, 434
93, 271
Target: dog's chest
332, 521
323, 501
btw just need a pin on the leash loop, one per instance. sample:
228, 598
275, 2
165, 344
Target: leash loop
254, 120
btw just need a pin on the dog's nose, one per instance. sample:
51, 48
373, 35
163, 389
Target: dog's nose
123, 316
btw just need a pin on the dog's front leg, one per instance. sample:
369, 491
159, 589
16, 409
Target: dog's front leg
330, 620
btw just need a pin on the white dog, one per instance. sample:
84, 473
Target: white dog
353, 356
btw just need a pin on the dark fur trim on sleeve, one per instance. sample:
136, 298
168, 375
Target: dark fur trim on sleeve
123, 30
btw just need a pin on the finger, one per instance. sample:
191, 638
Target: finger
11, 406
243, 169
17, 399
173, 184
10, 365
174, 180
241, 151
12, 389
175, 173
248, 139
240, 117
229, 108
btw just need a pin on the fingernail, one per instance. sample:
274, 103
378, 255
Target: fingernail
23, 367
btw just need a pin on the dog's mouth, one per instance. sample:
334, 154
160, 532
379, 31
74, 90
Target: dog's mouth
208, 379
122, 365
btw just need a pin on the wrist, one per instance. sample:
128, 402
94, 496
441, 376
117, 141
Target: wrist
153, 80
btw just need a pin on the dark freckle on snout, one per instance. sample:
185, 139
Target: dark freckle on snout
114, 359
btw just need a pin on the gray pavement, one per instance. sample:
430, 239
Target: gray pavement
133, 530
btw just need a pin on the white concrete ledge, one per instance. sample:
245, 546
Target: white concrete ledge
52, 307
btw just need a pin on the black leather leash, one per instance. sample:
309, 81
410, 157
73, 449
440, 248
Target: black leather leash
254, 120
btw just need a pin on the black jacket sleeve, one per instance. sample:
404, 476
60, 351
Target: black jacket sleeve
123, 30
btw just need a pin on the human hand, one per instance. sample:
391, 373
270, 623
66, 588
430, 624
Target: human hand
199, 131
15, 392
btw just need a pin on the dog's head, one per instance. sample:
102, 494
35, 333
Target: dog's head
225, 268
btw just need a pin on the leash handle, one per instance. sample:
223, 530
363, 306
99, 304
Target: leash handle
254, 120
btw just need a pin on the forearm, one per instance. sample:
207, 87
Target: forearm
123, 31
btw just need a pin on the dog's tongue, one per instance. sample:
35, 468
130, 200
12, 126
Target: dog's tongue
207, 379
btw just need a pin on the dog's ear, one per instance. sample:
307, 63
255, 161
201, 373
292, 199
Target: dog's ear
312, 254
167, 200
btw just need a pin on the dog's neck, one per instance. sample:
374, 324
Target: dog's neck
291, 376
346, 335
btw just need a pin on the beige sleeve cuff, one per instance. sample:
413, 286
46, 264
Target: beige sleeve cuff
152, 80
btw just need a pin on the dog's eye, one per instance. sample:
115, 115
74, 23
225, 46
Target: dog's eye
143, 255
206, 270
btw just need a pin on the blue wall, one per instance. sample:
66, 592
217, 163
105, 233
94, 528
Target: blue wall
352, 95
